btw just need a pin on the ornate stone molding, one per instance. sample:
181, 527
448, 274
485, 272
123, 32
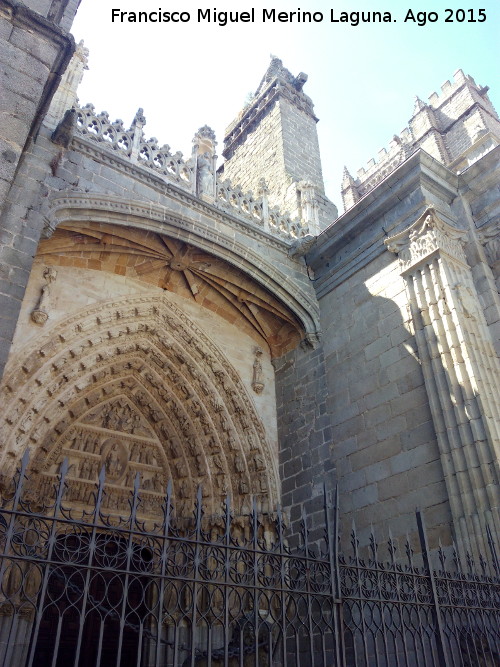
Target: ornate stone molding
75, 207
428, 235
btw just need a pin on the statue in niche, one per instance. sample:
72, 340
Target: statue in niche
232, 443
204, 176
115, 459
263, 483
217, 460
151, 458
40, 314
259, 462
184, 489
239, 462
181, 469
258, 376
308, 203
112, 462
175, 448
200, 468
86, 469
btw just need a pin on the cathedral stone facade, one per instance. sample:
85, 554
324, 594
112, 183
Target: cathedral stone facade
224, 327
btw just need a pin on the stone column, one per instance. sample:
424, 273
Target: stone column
460, 368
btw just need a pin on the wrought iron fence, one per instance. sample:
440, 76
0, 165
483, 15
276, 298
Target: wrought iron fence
86, 587
405, 612
83, 586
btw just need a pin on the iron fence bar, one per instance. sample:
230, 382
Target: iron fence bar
227, 569
443, 657
123, 611
8, 542
47, 569
355, 543
409, 555
308, 585
58, 639
282, 586
139, 646
392, 550
163, 568
196, 569
374, 549
256, 602
493, 551
99, 644
332, 524
88, 574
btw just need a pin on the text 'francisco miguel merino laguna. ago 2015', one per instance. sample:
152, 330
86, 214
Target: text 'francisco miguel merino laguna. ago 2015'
353, 18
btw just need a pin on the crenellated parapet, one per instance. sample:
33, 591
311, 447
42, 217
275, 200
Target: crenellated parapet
456, 127
188, 174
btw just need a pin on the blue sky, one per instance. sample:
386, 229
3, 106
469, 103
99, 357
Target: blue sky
362, 79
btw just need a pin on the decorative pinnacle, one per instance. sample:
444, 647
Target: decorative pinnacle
139, 118
347, 179
418, 105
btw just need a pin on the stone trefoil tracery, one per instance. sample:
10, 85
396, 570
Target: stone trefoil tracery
460, 368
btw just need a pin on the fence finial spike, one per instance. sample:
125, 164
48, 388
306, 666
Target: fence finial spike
137, 482
64, 468
102, 475
26, 457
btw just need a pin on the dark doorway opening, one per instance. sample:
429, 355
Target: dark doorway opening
92, 613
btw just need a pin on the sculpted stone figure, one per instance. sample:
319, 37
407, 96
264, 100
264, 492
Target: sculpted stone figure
258, 376
205, 178
239, 462
40, 314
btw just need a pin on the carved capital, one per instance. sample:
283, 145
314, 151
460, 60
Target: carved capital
427, 236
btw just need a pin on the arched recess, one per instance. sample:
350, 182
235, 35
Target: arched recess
135, 386
154, 237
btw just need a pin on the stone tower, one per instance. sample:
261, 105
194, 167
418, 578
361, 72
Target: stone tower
456, 127
274, 138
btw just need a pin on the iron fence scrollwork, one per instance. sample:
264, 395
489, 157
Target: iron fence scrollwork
83, 586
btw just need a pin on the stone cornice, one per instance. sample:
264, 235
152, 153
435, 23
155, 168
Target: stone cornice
167, 188
356, 237
25, 17
424, 238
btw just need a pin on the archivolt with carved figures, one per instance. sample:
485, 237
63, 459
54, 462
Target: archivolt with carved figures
135, 387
